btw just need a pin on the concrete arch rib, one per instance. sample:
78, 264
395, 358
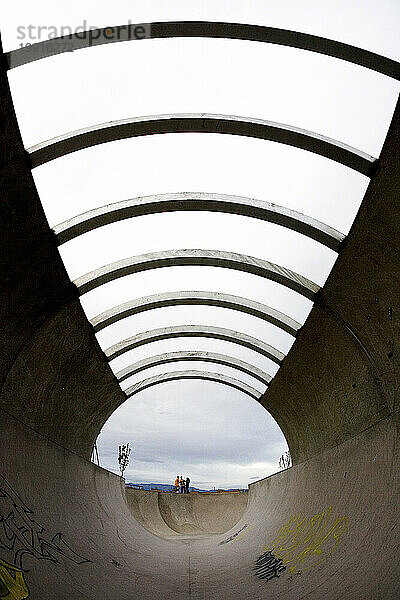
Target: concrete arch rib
207, 29
194, 356
177, 331
209, 258
201, 123
205, 375
198, 201
184, 298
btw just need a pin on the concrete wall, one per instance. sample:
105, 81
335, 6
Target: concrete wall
342, 374
53, 374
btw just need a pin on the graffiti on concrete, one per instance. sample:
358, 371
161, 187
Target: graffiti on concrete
20, 536
20, 533
305, 542
269, 566
234, 536
12, 582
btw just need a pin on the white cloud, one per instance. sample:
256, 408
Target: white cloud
216, 436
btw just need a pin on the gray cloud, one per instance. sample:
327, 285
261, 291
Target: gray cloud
196, 428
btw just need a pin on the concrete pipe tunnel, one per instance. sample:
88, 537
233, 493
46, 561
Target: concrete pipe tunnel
323, 529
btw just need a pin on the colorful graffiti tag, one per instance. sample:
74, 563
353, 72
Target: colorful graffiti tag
21, 536
302, 544
12, 582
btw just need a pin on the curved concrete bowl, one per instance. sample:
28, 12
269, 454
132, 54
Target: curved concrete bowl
167, 514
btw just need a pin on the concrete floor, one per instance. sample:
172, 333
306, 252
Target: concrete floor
322, 529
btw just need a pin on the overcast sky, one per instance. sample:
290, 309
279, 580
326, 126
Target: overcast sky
215, 434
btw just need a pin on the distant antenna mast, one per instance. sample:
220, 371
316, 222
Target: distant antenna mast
95, 454
123, 457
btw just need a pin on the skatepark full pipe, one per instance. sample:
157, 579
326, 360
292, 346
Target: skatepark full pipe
327, 528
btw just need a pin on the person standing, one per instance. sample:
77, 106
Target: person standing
177, 484
182, 485
187, 483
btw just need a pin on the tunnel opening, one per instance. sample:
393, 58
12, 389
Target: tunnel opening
217, 436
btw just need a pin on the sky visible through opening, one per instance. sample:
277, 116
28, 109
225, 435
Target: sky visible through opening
215, 434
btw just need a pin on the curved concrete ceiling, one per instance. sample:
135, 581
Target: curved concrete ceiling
198, 201
194, 356
205, 375
192, 257
183, 298
236, 31
220, 333
201, 123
